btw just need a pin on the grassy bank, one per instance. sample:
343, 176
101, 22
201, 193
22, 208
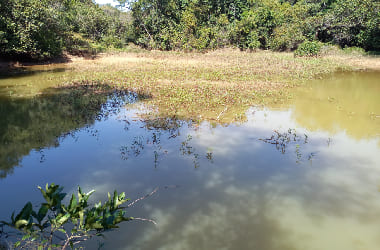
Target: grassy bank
215, 86
219, 85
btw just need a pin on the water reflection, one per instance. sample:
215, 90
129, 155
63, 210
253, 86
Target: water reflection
246, 186
42, 122
254, 196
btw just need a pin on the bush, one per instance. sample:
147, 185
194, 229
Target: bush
112, 41
308, 48
354, 51
286, 37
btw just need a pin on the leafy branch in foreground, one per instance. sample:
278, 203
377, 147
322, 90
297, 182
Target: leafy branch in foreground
48, 227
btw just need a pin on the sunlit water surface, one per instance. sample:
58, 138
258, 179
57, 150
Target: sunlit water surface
305, 175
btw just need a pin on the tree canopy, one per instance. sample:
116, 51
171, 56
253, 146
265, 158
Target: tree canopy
45, 28
267, 24
37, 29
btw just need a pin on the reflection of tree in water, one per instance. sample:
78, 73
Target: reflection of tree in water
158, 129
283, 140
41, 122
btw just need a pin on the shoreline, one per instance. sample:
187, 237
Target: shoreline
185, 85
357, 62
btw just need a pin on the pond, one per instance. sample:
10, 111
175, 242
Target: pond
300, 175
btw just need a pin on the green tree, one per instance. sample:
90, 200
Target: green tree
30, 28
38, 29
352, 23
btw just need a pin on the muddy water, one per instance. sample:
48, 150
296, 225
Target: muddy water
30, 81
302, 176
348, 102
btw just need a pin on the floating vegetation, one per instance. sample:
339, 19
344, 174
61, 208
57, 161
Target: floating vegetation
157, 132
282, 141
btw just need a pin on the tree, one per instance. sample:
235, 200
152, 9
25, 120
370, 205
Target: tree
30, 28
352, 23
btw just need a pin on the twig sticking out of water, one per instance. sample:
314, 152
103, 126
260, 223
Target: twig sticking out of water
143, 219
146, 196
150, 194
143, 197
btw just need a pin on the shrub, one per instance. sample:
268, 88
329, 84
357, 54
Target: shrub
286, 37
308, 48
354, 51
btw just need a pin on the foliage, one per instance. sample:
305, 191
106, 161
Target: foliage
39, 29
354, 51
308, 49
278, 25
286, 37
30, 28
47, 227
352, 23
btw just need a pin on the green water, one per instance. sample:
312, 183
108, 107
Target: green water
302, 176
347, 102
31, 81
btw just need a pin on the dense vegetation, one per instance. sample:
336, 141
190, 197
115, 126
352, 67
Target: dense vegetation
44, 28
273, 24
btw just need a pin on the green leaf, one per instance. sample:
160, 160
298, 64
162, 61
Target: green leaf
73, 202
25, 212
21, 223
27, 236
115, 200
17, 244
63, 219
44, 193
81, 218
80, 194
42, 212
13, 217
91, 192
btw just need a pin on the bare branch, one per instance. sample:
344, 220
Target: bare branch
143, 219
150, 194
143, 197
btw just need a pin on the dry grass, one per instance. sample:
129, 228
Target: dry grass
358, 62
